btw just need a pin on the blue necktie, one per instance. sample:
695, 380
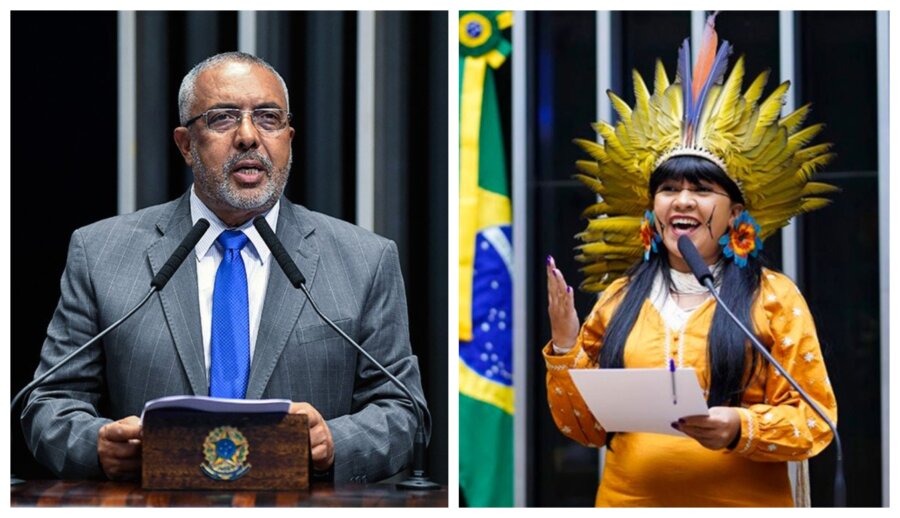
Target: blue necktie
230, 335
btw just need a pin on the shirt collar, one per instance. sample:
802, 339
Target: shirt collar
216, 227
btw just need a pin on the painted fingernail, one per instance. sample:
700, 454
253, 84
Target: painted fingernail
569, 289
681, 421
548, 260
674, 425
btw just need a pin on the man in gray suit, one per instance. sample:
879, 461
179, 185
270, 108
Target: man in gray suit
236, 136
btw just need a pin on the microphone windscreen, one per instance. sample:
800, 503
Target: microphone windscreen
692, 257
278, 252
181, 252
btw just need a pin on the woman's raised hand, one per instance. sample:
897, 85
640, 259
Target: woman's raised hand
561, 307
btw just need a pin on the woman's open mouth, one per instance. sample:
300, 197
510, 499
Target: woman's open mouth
681, 225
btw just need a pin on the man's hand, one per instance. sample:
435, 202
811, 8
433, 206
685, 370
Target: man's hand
715, 431
119, 448
320, 442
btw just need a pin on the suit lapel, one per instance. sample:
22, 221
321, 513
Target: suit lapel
283, 303
179, 298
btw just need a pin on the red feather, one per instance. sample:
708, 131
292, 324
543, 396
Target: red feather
706, 56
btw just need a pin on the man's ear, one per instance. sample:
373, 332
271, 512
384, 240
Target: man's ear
182, 137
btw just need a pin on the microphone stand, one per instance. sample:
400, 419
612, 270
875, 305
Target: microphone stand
701, 272
418, 480
14, 480
158, 283
840, 487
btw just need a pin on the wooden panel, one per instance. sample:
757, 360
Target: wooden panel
49, 493
173, 450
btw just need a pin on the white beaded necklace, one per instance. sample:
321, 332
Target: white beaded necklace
686, 283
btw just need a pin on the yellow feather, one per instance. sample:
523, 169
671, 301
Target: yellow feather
765, 140
607, 249
673, 103
614, 148
810, 166
711, 98
641, 115
602, 267
755, 90
725, 111
773, 149
619, 105
593, 287
590, 181
802, 137
617, 208
597, 151
812, 152
793, 120
770, 109
794, 142
661, 80
818, 188
811, 204
610, 239
619, 225
586, 166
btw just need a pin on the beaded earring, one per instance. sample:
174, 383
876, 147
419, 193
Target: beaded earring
743, 239
649, 236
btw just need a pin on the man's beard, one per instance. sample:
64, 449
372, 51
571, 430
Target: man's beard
218, 187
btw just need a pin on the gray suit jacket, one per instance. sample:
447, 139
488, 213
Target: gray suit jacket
353, 275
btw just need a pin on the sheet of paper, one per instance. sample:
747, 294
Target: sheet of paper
221, 405
640, 400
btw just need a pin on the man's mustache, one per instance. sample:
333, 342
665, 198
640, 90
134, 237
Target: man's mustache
230, 164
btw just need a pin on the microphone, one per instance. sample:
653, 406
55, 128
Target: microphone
418, 480
159, 281
696, 263
184, 248
281, 255
701, 272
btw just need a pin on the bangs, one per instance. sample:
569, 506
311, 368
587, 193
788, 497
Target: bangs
693, 169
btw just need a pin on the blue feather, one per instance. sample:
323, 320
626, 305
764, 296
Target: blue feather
684, 73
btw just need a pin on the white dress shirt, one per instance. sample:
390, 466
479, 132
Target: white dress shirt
256, 257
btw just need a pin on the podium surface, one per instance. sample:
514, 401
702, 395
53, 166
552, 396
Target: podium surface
48, 493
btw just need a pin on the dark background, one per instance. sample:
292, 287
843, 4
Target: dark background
64, 150
838, 246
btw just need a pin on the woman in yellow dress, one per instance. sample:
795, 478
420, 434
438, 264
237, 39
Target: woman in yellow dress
710, 163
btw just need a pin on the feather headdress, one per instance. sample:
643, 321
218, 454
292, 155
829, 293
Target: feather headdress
766, 155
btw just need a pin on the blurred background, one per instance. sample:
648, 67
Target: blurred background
553, 86
95, 105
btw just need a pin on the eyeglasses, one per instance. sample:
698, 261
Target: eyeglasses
221, 120
667, 192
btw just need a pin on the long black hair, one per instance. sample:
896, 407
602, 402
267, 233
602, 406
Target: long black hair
727, 346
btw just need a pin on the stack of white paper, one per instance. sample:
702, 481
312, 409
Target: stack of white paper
220, 405
640, 400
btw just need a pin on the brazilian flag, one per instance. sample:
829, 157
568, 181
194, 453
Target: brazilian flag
485, 271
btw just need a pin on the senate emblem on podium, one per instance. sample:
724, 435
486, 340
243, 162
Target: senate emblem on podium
226, 451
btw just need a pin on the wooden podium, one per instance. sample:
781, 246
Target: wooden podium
187, 449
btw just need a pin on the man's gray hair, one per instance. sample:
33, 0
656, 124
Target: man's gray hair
187, 96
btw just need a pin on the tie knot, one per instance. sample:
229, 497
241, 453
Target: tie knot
232, 240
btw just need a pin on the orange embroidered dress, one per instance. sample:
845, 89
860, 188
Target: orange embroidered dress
645, 469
